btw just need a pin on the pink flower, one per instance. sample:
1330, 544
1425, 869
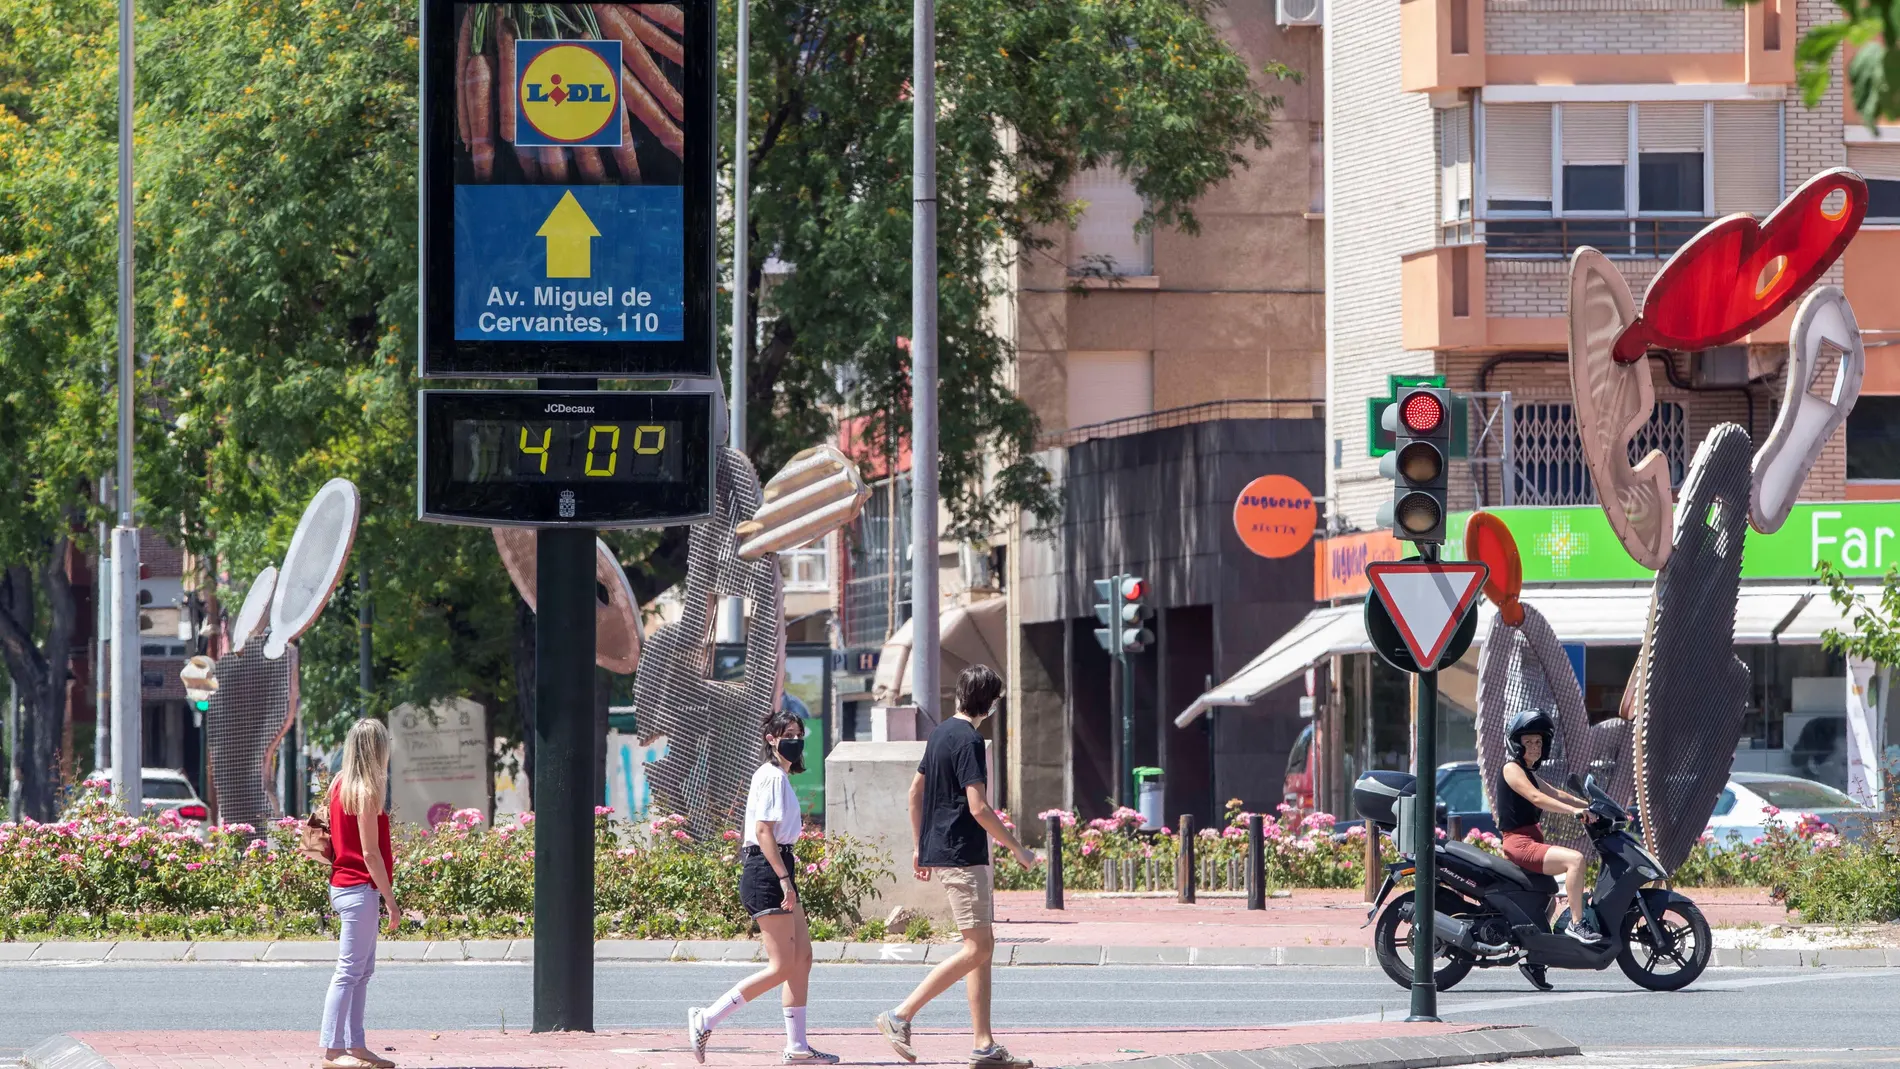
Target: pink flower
811, 868
603, 810
1769, 810
1087, 848
530, 855
730, 835
193, 866
682, 836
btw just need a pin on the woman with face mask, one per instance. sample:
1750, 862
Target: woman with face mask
768, 886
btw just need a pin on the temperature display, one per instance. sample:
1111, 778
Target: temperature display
601, 459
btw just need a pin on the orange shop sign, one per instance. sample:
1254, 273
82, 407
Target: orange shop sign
1339, 564
1275, 516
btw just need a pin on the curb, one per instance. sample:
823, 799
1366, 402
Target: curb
1409, 1052
629, 951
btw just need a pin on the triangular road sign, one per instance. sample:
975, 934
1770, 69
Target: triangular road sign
1427, 600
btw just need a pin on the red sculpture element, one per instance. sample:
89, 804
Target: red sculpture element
1487, 539
1738, 274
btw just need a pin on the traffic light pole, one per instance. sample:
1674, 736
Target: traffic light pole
1128, 725
1425, 825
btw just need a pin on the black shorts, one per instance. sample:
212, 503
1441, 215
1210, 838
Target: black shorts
759, 889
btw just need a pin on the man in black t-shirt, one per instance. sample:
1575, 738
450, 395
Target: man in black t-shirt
952, 822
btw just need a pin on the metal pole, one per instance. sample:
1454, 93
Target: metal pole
1052, 885
1256, 861
102, 638
1189, 873
127, 746
564, 773
1425, 878
365, 642
731, 624
924, 659
13, 750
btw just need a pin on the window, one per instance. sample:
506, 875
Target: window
805, 570
1873, 436
1454, 164
1547, 459
1880, 165
1635, 180
1105, 241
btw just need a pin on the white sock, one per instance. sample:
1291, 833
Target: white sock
727, 1005
795, 1029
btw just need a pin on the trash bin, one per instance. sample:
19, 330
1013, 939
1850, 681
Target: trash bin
1148, 797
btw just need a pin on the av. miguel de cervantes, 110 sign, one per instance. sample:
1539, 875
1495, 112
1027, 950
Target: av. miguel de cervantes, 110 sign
605, 459
567, 176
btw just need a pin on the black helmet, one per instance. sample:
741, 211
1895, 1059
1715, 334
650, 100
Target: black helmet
1528, 722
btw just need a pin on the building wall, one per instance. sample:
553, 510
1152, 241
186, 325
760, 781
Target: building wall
1380, 197
1541, 27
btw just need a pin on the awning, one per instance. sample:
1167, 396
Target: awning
967, 635
1598, 615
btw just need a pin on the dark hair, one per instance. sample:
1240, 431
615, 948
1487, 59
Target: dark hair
977, 689
779, 723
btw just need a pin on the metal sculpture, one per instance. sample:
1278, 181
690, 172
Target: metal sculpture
1824, 329
617, 631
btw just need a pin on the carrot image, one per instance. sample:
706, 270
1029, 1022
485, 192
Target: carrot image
479, 85
462, 40
671, 16
593, 169
644, 108
633, 32
640, 62
553, 164
510, 91
625, 157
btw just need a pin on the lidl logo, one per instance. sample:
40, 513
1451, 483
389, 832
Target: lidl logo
567, 93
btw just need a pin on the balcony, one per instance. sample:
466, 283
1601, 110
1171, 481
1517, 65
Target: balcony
1442, 297
1638, 239
1442, 45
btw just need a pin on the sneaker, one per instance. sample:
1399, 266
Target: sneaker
697, 1034
996, 1056
808, 1056
897, 1031
1584, 932
1535, 974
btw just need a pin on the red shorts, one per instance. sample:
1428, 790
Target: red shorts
1525, 847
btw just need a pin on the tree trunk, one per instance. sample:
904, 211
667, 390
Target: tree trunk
41, 671
524, 688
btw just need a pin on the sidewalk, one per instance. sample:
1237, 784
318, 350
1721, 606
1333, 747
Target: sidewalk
1389, 1046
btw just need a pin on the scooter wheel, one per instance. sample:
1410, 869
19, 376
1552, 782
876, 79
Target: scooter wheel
1392, 943
1671, 964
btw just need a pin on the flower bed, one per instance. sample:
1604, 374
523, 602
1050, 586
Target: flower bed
97, 872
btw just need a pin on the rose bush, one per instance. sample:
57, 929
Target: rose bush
98, 872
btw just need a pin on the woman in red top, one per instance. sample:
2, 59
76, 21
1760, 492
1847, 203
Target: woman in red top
359, 875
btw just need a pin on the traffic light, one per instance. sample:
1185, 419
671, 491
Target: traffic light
1134, 613
1107, 611
1420, 420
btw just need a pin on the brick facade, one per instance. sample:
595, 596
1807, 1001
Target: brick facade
1622, 27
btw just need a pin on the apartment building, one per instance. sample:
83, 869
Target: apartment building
1472, 146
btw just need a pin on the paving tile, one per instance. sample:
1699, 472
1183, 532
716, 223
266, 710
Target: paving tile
63, 951
299, 950
1325, 956
1727, 957
1148, 956
1237, 955
717, 950
1864, 958
234, 950
827, 951
169, 950
1767, 958
1893, 957
1055, 954
17, 951
634, 950
445, 950
486, 949
521, 950
1547, 1043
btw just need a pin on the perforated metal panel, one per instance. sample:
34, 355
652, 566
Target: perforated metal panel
1694, 690
248, 716
713, 725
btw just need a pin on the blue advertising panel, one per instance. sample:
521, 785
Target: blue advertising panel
567, 170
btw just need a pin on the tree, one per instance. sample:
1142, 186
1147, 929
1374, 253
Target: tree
1874, 630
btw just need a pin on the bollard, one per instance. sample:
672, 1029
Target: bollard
1052, 879
1455, 828
1374, 874
1184, 869
1256, 861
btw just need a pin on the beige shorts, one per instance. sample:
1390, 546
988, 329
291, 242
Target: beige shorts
972, 896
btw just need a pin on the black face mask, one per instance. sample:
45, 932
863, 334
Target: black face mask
792, 750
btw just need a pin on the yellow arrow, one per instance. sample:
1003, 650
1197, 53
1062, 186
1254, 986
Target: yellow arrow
570, 235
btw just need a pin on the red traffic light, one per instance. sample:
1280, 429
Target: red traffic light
1421, 412
1133, 589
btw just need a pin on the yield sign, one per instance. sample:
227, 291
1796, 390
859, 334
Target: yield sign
1427, 600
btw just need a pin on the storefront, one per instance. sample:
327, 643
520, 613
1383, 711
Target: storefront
1597, 601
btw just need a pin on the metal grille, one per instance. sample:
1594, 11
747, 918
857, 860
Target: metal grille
1694, 691
249, 713
1637, 239
878, 546
712, 724
1547, 463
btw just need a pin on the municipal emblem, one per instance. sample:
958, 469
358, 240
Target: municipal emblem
567, 93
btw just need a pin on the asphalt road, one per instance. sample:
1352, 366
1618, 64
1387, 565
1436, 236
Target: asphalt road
1729, 1017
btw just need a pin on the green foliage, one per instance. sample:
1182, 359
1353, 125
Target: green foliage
872, 931
918, 930
1874, 633
1872, 29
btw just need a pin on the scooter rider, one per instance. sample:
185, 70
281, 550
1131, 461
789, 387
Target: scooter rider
1520, 798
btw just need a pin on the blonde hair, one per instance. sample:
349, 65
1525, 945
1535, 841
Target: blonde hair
362, 781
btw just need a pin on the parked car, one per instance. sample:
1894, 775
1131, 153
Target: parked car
1742, 809
1297, 789
1459, 788
167, 788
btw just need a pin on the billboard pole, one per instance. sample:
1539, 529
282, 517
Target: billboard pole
924, 655
127, 745
732, 610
